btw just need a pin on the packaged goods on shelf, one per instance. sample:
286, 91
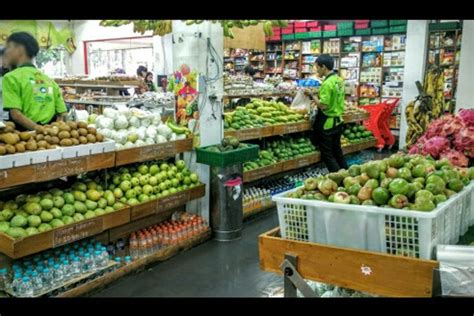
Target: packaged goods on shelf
311, 47
132, 127
153, 100
371, 59
391, 92
374, 44
395, 42
351, 60
393, 59
369, 90
54, 271
332, 46
256, 199
147, 241
371, 75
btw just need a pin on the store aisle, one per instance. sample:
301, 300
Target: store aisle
209, 270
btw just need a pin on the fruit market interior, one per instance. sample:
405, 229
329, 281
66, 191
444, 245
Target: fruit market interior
236, 158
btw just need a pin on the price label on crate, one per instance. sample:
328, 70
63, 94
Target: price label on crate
251, 133
173, 201
60, 168
157, 151
78, 231
293, 128
304, 162
261, 173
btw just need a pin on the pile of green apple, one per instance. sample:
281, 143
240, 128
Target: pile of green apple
411, 182
31, 214
149, 181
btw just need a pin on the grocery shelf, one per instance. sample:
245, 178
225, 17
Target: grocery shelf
358, 147
18, 248
260, 95
21, 247
166, 203
385, 275
150, 152
268, 131
282, 166
136, 265
51, 170
92, 85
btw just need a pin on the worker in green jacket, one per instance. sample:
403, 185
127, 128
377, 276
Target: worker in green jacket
328, 125
32, 98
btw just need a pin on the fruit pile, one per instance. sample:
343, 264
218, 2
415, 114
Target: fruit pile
353, 110
58, 133
35, 213
227, 144
259, 113
355, 134
151, 180
411, 182
281, 149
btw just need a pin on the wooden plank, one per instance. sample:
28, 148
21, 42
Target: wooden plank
370, 272
283, 129
168, 202
55, 169
136, 265
254, 133
150, 152
263, 172
355, 117
358, 147
18, 248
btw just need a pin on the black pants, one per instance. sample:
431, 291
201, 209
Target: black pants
329, 143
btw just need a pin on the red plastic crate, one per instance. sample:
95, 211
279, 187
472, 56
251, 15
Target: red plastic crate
315, 29
330, 27
313, 24
358, 26
361, 21
300, 30
300, 24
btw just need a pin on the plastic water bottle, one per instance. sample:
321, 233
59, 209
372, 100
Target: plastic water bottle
26, 288
57, 274
76, 267
37, 283
47, 278
66, 270
87, 263
97, 260
16, 282
104, 257
3, 278
128, 259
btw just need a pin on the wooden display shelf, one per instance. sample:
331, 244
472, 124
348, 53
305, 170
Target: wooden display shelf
249, 213
166, 203
55, 169
268, 131
355, 117
18, 248
260, 95
281, 166
150, 152
136, 265
358, 147
388, 275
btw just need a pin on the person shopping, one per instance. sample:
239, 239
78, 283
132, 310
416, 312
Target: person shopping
328, 125
149, 82
31, 97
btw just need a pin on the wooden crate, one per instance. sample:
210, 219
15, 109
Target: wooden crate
55, 169
355, 117
166, 203
251, 133
301, 162
358, 147
18, 248
370, 272
291, 128
263, 172
151, 152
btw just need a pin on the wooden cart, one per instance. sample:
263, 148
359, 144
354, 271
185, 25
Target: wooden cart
370, 272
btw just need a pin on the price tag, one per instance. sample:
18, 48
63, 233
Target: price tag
60, 168
251, 133
173, 201
3, 174
292, 128
78, 231
304, 162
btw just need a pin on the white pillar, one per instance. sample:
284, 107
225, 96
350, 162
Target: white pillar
190, 47
465, 89
415, 60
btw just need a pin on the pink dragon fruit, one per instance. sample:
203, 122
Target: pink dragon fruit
435, 146
467, 116
464, 141
455, 157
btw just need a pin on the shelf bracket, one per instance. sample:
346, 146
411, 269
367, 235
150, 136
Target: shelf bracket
293, 280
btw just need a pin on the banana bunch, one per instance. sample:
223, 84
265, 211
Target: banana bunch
227, 25
158, 27
434, 87
227, 119
417, 121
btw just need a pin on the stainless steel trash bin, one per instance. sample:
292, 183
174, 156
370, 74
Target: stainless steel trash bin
226, 202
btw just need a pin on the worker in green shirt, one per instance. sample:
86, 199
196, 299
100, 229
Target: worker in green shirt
328, 125
31, 97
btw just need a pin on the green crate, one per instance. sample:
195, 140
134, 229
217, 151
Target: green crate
307, 35
345, 25
398, 29
363, 32
288, 37
345, 32
445, 26
380, 31
397, 22
329, 34
379, 23
317, 34
228, 158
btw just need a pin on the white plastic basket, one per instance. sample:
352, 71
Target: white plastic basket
373, 228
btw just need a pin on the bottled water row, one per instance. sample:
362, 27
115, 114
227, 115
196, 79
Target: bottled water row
43, 272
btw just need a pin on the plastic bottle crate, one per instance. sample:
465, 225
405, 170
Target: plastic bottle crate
372, 228
227, 158
379, 23
397, 22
